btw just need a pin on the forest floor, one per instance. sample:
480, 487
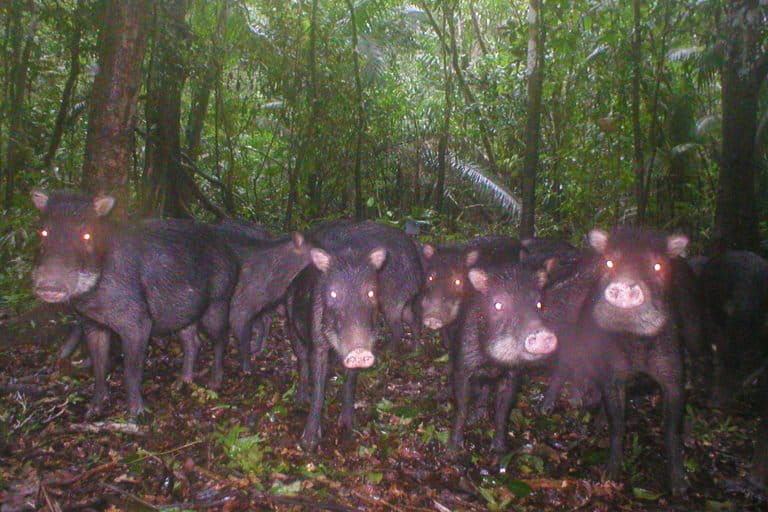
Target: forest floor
237, 449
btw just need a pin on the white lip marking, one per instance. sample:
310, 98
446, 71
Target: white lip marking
85, 281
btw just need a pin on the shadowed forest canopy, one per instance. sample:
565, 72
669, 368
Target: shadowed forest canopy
457, 113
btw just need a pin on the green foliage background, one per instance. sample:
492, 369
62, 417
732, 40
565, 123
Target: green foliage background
260, 115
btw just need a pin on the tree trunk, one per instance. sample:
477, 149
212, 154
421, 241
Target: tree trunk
533, 123
469, 96
442, 147
744, 69
202, 93
18, 82
637, 138
163, 172
308, 132
360, 114
69, 87
109, 144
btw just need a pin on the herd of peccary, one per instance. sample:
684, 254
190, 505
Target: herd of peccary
628, 303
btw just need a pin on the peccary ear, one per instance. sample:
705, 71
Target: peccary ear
103, 205
472, 257
428, 251
321, 259
298, 239
377, 257
39, 198
542, 275
676, 245
598, 239
479, 279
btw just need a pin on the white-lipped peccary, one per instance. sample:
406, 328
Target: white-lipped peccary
358, 270
499, 332
626, 326
152, 278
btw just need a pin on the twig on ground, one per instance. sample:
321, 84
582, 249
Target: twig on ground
53, 505
83, 475
107, 426
376, 501
128, 496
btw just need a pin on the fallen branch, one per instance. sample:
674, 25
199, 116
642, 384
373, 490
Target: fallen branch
305, 504
83, 475
266, 497
128, 496
28, 389
376, 501
53, 505
755, 374
90, 503
107, 426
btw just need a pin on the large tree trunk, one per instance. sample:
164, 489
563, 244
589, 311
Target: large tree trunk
744, 69
533, 123
22, 42
168, 191
108, 147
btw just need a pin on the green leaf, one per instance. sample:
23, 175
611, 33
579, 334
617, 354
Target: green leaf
519, 488
487, 495
375, 477
442, 359
404, 411
530, 464
286, 490
645, 494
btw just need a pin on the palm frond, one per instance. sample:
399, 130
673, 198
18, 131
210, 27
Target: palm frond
595, 53
372, 53
683, 54
706, 124
682, 148
481, 179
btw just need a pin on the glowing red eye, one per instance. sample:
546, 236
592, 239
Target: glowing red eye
498, 306
86, 236
457, 282
44, 233
657, 267
609, 263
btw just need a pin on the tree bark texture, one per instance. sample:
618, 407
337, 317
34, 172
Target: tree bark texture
442, 147
637, 137
202, 92
112, 116
168, 190
359, 113
533, 122
744, 69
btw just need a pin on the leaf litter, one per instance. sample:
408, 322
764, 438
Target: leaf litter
237, 449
